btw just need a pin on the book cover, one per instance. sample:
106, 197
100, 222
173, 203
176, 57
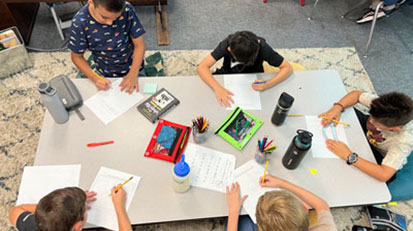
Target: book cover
157, 105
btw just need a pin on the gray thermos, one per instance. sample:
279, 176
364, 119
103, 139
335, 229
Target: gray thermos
299, 146
53, 104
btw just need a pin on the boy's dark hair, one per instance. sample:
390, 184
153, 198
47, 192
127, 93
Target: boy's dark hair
61, 209
244, 47
392, 109
114, 6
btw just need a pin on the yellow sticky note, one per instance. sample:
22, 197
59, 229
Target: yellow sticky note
313, 171
392, 203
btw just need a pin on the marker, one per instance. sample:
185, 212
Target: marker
295, 115
100, 143
265, 171
120, 186
336, 121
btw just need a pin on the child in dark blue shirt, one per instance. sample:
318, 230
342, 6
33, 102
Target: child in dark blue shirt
111, 30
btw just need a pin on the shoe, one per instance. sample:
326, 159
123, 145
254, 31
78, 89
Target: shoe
369, 15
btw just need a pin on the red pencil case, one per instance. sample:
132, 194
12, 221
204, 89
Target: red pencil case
168, 141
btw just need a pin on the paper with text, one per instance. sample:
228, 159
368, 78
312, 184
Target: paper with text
102, 212
244, 96
38, 181
110, 104
318, 146
210, 169
248, 175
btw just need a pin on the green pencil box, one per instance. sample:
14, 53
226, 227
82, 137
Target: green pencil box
239, 127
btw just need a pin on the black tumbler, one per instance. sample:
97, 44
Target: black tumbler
281, 111
299, 146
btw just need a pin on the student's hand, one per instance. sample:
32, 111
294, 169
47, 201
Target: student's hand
90, 197
339, 148
129, 82
271, 181
119, 197
234, 199
333, 113
224, 97
103, 83
260, 85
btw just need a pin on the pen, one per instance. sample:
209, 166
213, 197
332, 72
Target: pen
265, 171
346, 124
100, 143
261, 82
120, 186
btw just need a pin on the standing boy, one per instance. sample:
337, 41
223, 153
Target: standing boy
389, 130
279, 210
65, 210
111, 30
243, 52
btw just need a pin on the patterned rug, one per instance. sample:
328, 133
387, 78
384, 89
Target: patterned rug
21, 116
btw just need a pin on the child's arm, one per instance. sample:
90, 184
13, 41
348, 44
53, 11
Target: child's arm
119, 199
234, 201
130, 81
335, 111
380, 172
81, 63
285, 71
308, 197
16, 211
223, 95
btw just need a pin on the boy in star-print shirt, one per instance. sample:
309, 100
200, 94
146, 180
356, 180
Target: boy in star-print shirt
111, 30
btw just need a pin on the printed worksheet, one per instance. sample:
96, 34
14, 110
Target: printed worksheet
210, 169
320, 134
244, 96
38, 181
110, 104
248, 175
102, 212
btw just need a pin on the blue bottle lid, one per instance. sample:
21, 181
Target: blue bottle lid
181, 168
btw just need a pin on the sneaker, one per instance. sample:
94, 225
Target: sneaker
369, 15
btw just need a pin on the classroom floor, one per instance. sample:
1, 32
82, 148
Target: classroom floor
199, 24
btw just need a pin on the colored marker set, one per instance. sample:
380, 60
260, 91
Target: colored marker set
264, 149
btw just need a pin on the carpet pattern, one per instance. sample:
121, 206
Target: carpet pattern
21, 116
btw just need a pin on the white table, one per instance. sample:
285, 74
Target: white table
155, 200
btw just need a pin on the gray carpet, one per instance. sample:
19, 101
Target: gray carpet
201, 24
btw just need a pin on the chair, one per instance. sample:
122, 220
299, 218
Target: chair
59, 23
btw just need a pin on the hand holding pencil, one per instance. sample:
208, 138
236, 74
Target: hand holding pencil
332, 115
101, 82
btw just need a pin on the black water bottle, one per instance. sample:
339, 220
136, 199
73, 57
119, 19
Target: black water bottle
283, 106
299, 146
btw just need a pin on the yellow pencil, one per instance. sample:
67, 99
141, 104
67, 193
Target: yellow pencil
293, 115
265, 171
346, 124
120, 186
100, 77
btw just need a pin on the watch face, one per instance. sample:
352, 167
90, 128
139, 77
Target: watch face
352, 158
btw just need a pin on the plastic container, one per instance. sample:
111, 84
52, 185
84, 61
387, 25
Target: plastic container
181, 173
199, 138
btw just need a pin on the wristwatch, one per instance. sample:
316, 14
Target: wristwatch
352, 158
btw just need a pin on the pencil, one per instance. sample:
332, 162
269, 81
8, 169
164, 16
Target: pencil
346, 124
120, 186
100, 77
295, 115
265, 171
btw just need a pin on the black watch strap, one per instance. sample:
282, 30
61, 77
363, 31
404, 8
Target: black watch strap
352, 158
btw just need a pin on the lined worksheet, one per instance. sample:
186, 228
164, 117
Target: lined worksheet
38, 181
210, 169
102, 212
248, 175
318, 147
110, 104
244, 96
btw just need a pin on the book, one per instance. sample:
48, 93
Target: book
157, 105
168, 141
238, 128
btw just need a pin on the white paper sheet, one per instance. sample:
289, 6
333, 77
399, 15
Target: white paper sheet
244, 96
210, 169
108, 105
38, 181
318, 147
248, 175
102, 212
